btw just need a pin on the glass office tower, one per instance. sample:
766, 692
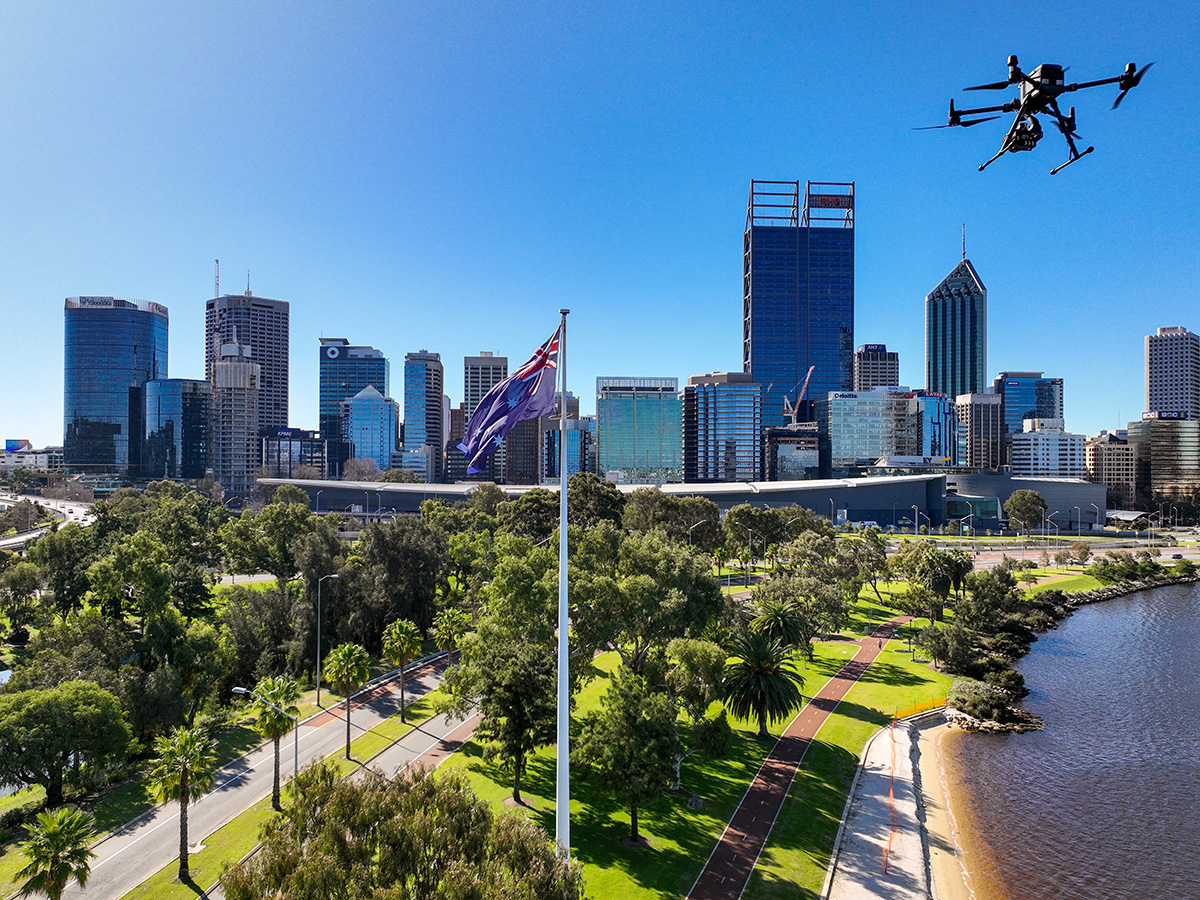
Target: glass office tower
423, 425
177, 422
113, 347
798, 292
638, 422
956, 333
1027, 395
722, 428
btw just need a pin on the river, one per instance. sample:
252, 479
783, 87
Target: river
1102, 803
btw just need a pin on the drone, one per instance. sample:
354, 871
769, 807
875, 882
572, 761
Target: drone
1040, 90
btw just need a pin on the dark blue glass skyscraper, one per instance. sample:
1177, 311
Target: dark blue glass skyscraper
112, 348
177, 422
798, 292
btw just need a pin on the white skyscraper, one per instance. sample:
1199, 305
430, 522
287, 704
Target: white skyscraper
1173, 371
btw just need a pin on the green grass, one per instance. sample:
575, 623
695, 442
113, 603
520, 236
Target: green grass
794, 861
1077, 582
680, 838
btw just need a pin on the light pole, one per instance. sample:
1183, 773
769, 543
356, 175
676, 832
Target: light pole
916, 520
1078, 521
319, 580
295, 727
318, 509
832, 513
1099, 524
697, 525
750, 546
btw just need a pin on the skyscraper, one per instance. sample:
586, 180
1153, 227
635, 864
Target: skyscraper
638, 423
423, 409
370, 421
875, 366
722, 428
112, 348
980, 430
178, 417
798, 291
235, 448
261, 325
345, 369
1027, 395
956, 333
1173, 371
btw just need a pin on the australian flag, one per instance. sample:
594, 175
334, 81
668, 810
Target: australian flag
525, 394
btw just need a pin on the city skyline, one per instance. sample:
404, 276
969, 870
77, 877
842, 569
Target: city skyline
343, 156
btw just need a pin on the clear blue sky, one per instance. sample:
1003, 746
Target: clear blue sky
447, 175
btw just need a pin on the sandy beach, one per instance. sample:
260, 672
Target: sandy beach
898, 838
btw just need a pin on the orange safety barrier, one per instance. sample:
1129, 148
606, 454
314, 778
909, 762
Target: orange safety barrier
933, 703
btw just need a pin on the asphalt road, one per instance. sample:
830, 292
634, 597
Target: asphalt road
137, 850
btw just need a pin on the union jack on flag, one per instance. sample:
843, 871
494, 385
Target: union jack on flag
525, 394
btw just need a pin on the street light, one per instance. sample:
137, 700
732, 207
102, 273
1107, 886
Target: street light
295, 726
1099, 524
697, 525
319, 580
1078, 522
750, 545
318, 509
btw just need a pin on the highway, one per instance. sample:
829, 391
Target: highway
137, 850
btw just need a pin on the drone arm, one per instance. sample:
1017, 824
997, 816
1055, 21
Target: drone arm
1007, 107
1087, 84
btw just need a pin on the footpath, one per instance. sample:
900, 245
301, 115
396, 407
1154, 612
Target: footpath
736, 853
143, 846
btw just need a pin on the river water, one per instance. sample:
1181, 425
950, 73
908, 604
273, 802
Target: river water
1105, 801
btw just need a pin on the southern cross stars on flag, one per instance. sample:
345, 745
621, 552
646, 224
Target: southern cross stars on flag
525, 394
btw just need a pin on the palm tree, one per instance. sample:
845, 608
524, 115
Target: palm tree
184, 771
270, 722
762, 682
401, 642
720, 555
347, 667
449, 626
57, 850
780, 620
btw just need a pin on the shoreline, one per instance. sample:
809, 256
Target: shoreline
899, 837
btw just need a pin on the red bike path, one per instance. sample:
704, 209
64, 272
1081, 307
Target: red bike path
729, 866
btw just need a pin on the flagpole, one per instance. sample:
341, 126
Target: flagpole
562, 821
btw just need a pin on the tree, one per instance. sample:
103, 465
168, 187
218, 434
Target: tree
1026, 507
57, 850
47, 731
513, 681
63, 557
449, 626
404, 564
270, 722
267, 542
347, 668
1082, 552
487, 498
358, 469
401, 642
761, 682
411, 836
399, 476
533, 515
630, 745
19, 585
590, 500
184, 770
694, 520
695, 680
797, 608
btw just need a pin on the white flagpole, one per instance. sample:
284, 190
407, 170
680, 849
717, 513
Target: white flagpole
562, 819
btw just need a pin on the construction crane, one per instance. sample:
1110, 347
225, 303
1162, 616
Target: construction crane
793, 411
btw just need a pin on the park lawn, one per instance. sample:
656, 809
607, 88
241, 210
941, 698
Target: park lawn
680, 839
1071, 583
794, 862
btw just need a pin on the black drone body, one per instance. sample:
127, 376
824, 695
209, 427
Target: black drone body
1040, 90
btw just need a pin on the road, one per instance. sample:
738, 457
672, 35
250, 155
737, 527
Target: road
137, 850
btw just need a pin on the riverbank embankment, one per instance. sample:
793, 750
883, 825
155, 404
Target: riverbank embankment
897, 836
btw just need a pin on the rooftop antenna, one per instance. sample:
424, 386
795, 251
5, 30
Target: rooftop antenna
248, 294
964, 241
217, 278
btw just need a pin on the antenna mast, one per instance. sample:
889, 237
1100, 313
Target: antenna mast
248, 294
217, 278
964, 241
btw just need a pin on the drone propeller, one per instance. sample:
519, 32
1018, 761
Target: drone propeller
967, 124
994, 86
1129, 82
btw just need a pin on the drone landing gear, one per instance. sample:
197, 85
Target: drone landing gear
1003, 150
1058, 169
